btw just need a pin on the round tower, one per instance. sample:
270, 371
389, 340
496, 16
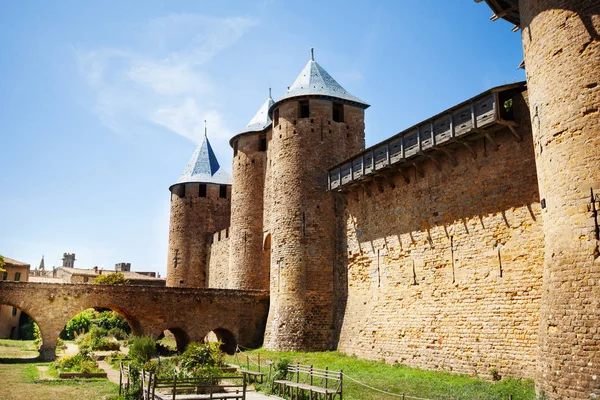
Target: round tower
315, 125
561, 43
200, 206
248, 263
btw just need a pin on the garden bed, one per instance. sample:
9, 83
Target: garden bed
70, 375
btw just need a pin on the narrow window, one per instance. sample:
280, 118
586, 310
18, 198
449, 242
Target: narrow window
338, 112
17, 276
276, 117
235, 148
202, 190
14, 311
262, 144
4, 276
223, 191
303, 109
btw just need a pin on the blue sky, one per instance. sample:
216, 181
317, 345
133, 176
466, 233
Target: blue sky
102, 103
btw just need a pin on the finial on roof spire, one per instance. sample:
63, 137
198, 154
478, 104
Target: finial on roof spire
269, 91
205, 133
312, 53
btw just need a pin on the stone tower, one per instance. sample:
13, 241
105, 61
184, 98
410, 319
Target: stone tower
200, 205
561, 43
68, 260
315, 125
248, 262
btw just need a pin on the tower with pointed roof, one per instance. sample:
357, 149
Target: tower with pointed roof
248, 260
200, 205
316, 124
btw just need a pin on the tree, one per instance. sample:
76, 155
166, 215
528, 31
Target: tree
2, 263
116, 278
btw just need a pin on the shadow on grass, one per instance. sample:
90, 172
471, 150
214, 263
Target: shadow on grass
16, 360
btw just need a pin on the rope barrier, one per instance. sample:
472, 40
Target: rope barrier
403, 396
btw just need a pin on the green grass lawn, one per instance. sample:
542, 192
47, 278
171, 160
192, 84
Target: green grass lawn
400, 379
24, 380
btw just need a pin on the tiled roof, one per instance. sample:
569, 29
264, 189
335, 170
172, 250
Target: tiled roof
261, 119
204, 167
314, 80
15, 262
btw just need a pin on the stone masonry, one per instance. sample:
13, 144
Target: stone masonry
191, 313
561, 43
303, 221
444, 272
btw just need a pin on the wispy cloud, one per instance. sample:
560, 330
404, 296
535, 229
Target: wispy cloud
167, 84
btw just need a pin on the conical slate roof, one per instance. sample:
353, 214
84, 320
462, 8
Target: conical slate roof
204, 167
261, 119
314, 80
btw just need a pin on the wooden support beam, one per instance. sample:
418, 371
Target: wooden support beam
448, 154
512, 125
365, 186
418, 169
404, 173
390, 181
435, 161
470, 149
489, 137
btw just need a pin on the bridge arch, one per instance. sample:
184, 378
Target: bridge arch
182, 338
227, 338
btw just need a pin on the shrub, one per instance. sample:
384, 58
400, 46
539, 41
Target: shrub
141, 349
116, 278
111, 320
280, 370
96, 340
117, 333
79, 323
201, 355
80, 362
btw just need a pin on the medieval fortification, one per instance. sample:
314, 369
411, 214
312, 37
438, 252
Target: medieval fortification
466, 242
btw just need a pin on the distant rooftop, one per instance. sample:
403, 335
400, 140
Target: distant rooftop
315, 81
15, 262
204, 167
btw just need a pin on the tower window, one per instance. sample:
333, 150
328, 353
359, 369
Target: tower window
338, 112
235, 148
14, 311
303, 109
202, 190
4, 276
276, 117
262, 143
17, 276
223, 191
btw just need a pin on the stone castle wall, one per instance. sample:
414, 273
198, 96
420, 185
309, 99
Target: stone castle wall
561, 43
445, 272
247, 266
302, 221
193, 219
218, 260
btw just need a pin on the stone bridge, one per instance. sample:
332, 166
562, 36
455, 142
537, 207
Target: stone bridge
235, 316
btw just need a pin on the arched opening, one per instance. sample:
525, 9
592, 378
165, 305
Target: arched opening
98, 328
172, 340
20, 335
226, 337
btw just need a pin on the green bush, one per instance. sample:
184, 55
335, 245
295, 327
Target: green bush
117, 333
80, 362
141, 349
96, 340
280, 370
110, 320
201, 355
80, 323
